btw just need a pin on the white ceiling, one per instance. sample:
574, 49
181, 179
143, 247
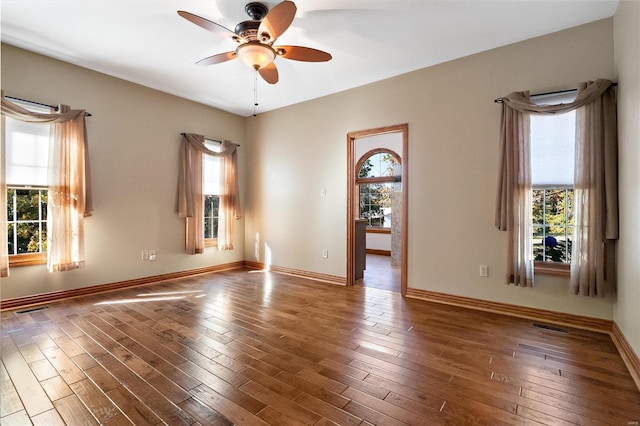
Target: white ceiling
146, 42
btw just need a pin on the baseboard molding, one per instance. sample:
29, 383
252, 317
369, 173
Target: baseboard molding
379, 252
627, 353
39, 299
331, 279
571, 320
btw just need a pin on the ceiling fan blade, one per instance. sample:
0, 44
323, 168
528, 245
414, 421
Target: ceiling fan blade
269, 73
277, 21
216, 59
300, 53
210, 26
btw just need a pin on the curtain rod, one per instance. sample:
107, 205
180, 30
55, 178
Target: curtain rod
557, 92
86, 114
206, 138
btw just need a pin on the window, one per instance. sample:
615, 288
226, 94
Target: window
552, 180
26, 162
211, 193
378, 172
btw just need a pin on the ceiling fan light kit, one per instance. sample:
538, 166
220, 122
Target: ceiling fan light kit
256, 38
255, 54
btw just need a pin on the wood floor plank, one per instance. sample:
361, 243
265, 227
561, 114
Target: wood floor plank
56, 388
279, 403
203, 414
327, 410
95, 400
262, 348
227, 408
33, 397
134, 409
48, 418
19, 418
73, 412
9, 400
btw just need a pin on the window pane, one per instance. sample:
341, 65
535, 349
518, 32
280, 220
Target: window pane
555, 246
538, 206
11, 246
28, 238
44, 202
10, 205
538, 243
377, 165
27, 204
207, 227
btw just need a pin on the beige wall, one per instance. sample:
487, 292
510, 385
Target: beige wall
627, 65
453, 159
134, 137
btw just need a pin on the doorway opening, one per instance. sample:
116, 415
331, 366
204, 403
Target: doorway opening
377, 206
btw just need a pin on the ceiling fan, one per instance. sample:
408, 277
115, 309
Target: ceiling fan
256, 37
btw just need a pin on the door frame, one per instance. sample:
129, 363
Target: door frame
352, 205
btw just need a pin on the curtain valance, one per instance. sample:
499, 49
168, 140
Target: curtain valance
9, 109
587, 93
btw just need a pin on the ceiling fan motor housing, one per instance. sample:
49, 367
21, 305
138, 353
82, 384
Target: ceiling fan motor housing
249, 29
256, 11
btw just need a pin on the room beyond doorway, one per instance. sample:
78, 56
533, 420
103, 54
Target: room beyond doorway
377, 200
380, 274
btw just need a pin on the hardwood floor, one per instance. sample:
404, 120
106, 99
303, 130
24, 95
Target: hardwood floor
256, 348
380, 274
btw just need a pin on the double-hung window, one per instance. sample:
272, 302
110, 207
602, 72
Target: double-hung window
211, 193
26, 168
552, 144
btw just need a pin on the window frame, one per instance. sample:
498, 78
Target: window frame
212, 145
541, 266
374, 180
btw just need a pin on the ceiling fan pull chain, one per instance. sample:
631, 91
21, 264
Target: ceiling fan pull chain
255, 91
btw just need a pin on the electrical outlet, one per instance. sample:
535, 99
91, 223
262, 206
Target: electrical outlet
325, 253
484, 271
152, 255
145, 254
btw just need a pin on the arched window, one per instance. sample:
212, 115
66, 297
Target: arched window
377, 171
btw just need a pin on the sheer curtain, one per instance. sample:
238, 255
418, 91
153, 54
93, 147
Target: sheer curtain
190, 197
596, 198
69, 186
513, 207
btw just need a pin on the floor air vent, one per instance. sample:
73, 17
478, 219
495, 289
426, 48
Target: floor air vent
29, 310
550, 327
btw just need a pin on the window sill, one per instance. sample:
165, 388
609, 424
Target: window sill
548, 268
211, 242
27, 259
378, 230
